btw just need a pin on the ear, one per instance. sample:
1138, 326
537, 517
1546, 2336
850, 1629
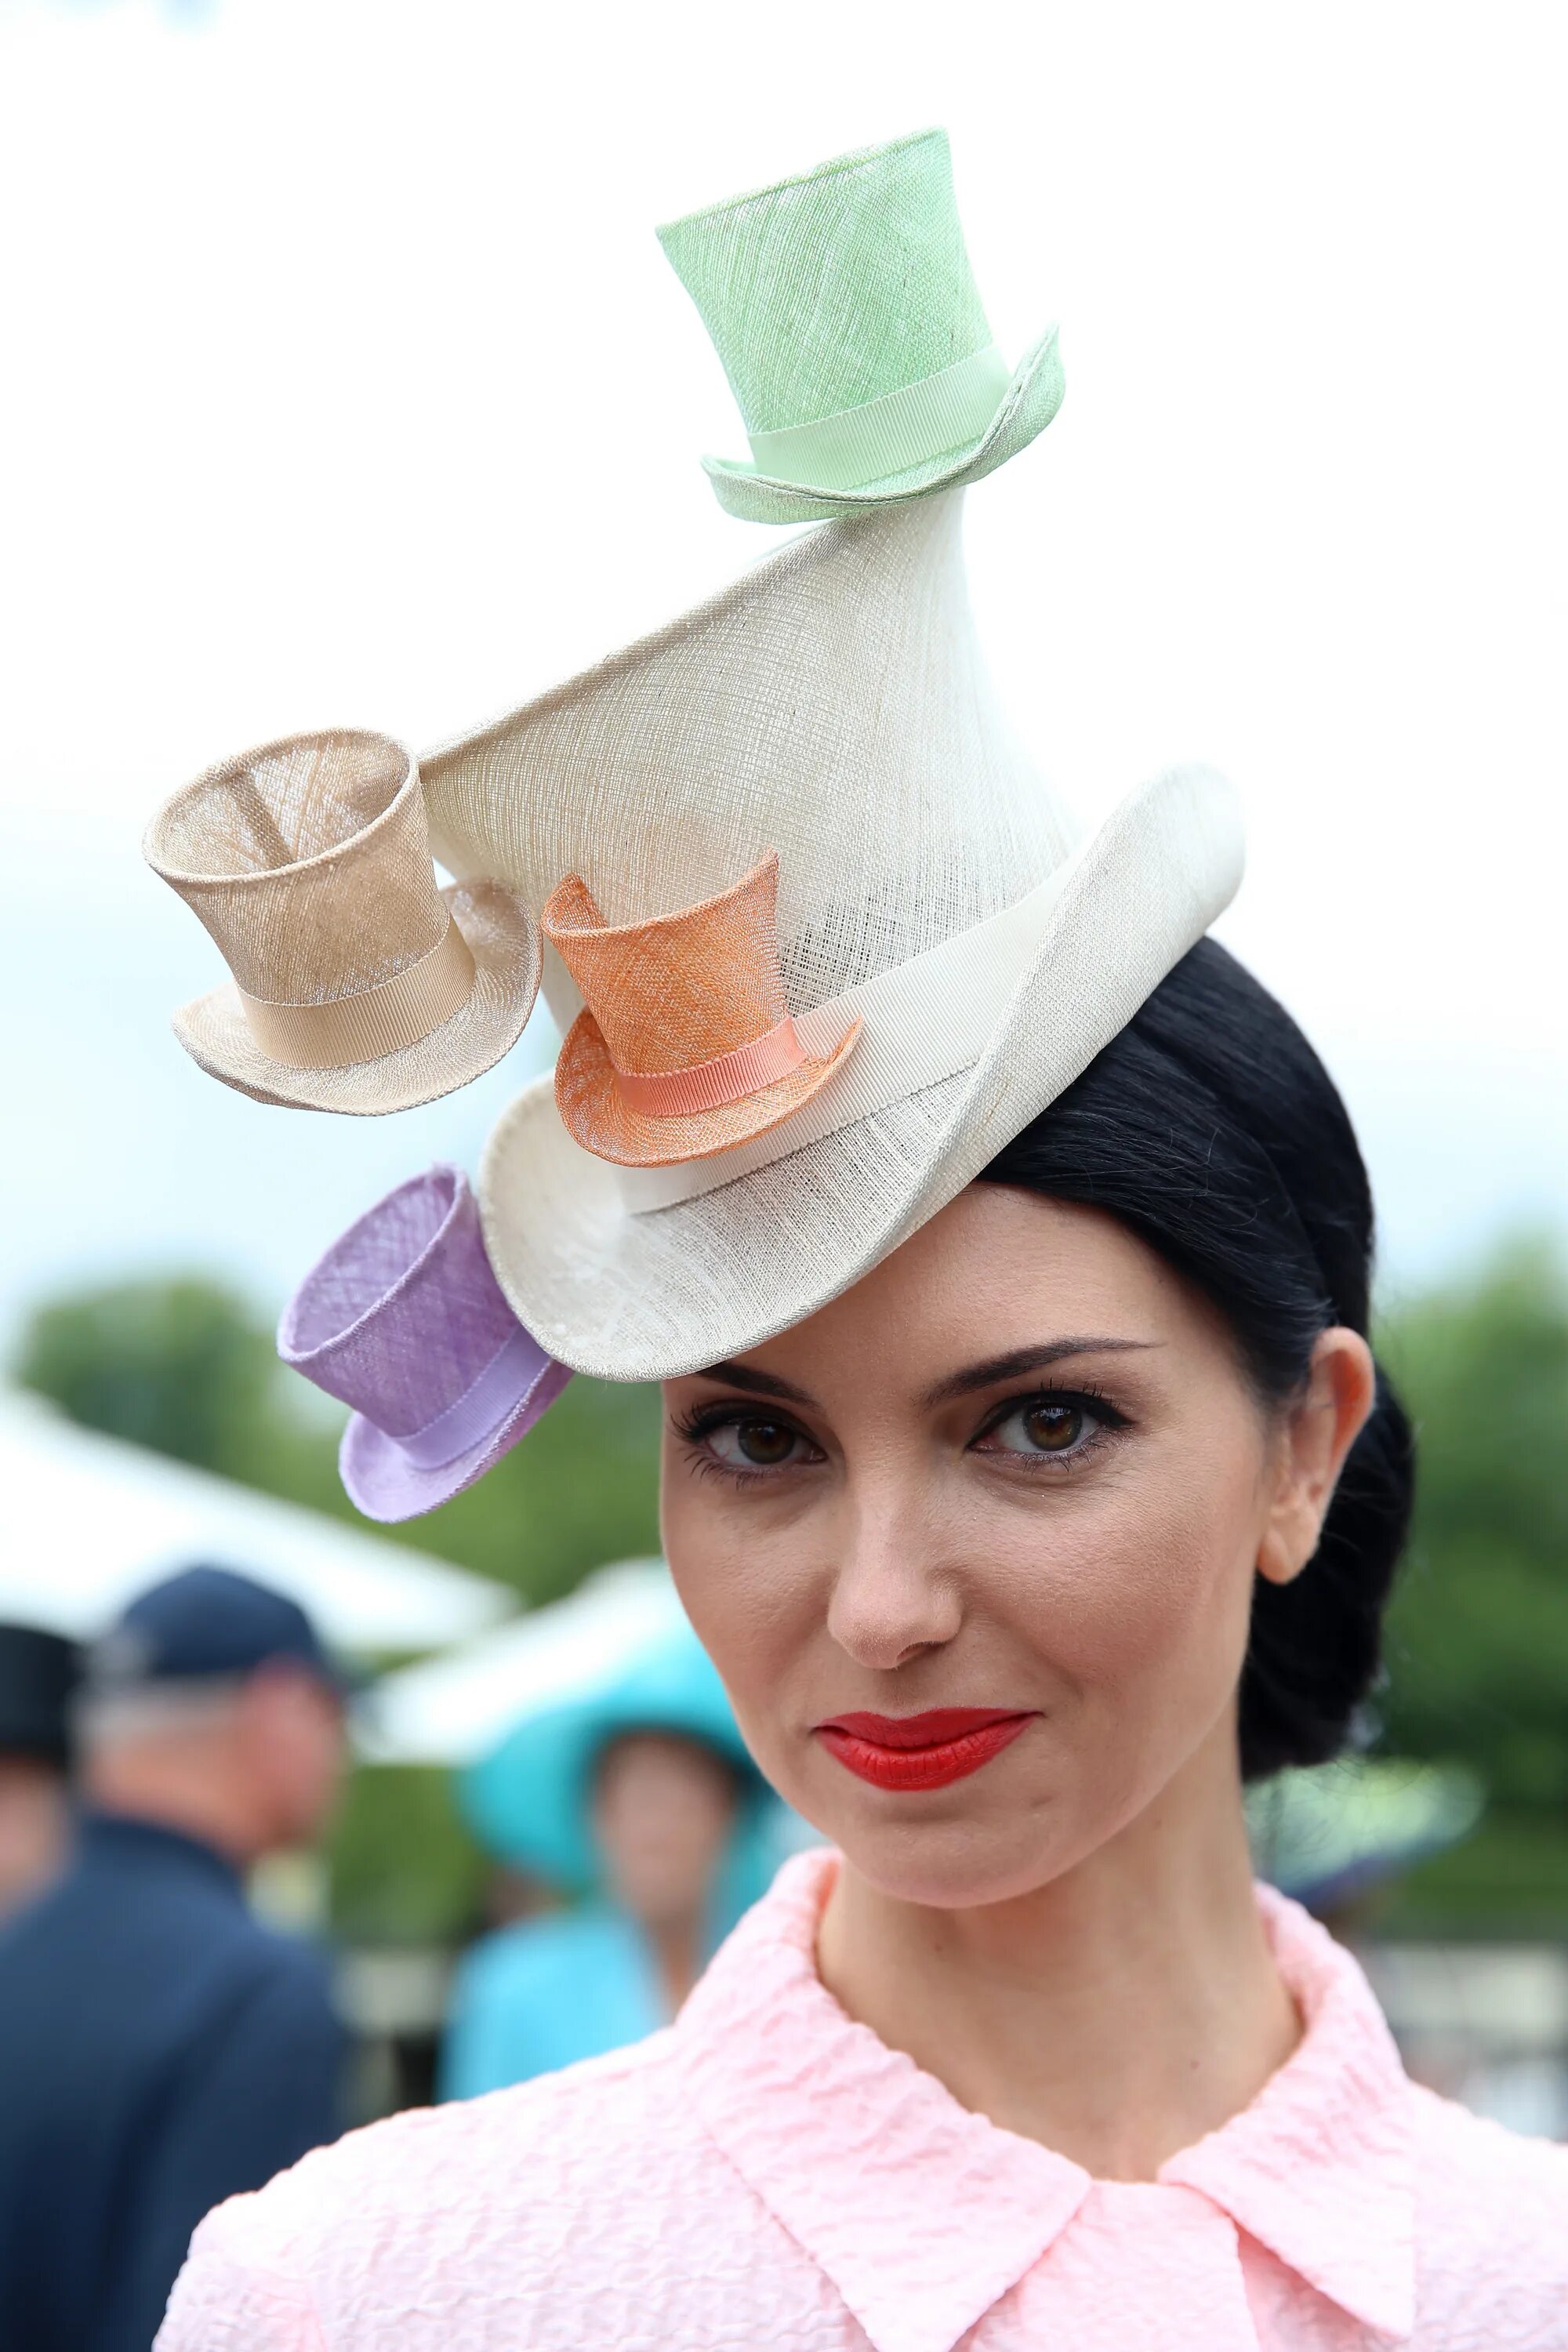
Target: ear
1317, 1432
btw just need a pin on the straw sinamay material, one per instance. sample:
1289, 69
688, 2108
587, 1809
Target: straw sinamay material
403, 1320
358, 986
684, 1046
844, 308
832, 706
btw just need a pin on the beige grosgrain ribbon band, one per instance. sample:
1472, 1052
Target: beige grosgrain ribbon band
374, 1021
709, 1085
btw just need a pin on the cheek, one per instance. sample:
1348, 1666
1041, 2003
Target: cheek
1137, 1607
746, 1581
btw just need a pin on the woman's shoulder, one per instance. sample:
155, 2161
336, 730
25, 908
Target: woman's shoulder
410, 2206
1461, 2154
1492, 2214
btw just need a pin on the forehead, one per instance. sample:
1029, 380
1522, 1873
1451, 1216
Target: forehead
998, 1269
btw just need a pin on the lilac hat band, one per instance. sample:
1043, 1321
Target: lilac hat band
403, 1320
508, 1376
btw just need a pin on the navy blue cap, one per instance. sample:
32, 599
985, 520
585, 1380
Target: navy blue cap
207, 1624
39, 1673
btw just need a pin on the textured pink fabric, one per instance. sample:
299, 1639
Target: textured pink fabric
768, 2174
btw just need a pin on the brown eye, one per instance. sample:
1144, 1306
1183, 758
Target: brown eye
1044, 1427
753, 1442
1052, 1428
765, 1442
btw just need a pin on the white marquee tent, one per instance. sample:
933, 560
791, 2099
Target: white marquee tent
449, 1710
86, 1521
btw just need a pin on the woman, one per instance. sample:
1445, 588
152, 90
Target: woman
1003, 1251
638, 1795
1015, 1559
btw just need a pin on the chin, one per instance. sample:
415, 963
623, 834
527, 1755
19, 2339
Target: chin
958, 1861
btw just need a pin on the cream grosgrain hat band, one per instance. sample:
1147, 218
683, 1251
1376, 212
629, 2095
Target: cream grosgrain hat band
901, 428
925, 1020
370, 1022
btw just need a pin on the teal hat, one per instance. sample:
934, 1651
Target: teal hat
529, 1799
846, 313
1326, 1833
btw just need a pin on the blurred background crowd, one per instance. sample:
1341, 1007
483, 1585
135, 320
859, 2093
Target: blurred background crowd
438, 1806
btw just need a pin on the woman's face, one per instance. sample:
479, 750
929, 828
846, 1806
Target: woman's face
1016, 1471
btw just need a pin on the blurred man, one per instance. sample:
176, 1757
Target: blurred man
160, 2049
37, 1675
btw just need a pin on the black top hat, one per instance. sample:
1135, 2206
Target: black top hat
38, 1674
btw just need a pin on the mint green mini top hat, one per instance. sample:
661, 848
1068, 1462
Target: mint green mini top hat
846, 313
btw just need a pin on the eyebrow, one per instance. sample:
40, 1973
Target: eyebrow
1027, 1359
768, 1384
974, 1376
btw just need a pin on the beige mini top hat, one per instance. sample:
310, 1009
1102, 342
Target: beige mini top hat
358, 985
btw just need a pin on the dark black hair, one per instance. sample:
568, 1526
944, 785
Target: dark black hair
1210, 1128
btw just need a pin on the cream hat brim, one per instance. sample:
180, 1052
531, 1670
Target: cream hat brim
1026, 408
505, 947
655, 1293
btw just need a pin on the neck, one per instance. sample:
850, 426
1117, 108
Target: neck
1116, 2014
146, 1785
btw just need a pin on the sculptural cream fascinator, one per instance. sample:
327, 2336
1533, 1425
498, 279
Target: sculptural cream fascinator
844, 308
358, 986
821, 941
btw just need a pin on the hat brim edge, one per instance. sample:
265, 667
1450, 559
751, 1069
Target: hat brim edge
1127, 839
1026, 408
583, 1053
383, 1484
250, 1072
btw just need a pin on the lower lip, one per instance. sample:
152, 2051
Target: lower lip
933, 1766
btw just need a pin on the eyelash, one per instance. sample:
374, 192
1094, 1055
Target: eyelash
1108, 1422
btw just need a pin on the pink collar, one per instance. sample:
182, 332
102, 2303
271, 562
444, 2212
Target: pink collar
922, 2213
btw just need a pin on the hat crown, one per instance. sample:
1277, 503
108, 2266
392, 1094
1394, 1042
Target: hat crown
837, 288
403, 1313
831, 705
308, 862
681, 988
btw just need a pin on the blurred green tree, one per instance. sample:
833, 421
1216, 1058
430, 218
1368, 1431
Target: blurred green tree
181, 1366
1477, 1633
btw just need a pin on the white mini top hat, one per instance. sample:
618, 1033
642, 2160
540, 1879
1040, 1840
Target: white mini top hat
935, 903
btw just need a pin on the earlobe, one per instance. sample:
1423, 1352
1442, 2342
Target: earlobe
1321, 1428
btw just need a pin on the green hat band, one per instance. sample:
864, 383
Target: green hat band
904, 428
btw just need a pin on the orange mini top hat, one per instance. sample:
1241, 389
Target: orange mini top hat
684, 1046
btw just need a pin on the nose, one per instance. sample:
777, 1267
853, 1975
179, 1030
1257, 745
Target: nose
891, 1598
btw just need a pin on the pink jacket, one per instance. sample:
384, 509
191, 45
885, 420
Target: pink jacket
768, 2177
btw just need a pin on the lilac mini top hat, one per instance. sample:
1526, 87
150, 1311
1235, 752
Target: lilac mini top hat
403, 1320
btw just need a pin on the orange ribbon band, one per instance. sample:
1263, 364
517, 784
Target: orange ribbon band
709, 1085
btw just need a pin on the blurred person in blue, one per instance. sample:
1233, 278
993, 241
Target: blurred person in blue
37, 1675
160, 2048
637, 1796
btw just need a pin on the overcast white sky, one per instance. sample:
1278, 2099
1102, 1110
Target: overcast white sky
345, 382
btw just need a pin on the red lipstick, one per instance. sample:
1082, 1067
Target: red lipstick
921, 1751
